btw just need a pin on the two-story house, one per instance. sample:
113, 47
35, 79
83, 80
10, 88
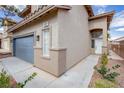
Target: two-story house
56, 37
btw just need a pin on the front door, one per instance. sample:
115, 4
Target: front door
98, 46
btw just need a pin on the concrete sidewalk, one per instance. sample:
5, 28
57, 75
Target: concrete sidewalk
15, 65
78, 76
115, 56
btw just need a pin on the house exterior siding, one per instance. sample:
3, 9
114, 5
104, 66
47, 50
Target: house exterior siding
101, 24
74, 34
66, 43
48, 64
70, 39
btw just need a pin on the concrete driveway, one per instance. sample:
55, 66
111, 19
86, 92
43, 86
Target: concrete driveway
78, 76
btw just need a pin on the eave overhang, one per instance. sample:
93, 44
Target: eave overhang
38, 13
108, 15
26, 11
89, 10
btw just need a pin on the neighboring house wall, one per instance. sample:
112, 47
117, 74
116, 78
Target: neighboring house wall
6, 44
6, 40
118, 47
74, 34
100, 24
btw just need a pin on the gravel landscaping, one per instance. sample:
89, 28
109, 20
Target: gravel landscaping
119, 80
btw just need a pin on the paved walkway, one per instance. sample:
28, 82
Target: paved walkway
78, 76
113, 55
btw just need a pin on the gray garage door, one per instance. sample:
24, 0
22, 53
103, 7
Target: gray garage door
23, 48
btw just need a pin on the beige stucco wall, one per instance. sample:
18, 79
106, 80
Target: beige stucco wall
74, 34
70, 39
100, 24
6, 44
5, 39
0, 35
56, 63
36, 28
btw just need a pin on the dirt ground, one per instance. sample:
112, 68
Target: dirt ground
119, 79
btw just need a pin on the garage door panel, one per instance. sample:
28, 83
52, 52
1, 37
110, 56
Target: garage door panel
24, 48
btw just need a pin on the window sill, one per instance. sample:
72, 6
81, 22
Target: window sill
37, 47
45, 57
57, 49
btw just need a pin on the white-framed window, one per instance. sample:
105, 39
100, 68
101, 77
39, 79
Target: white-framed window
46, 42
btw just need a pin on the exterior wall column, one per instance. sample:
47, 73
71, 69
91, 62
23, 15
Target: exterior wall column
55, 65
56, 62
105, 39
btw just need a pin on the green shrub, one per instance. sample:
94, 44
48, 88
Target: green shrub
102, 83
106, 72
108, 77
21, 85
5, 80
111, 76
104, 59
116, 66
103, 70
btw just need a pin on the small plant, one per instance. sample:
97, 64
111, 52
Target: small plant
103, 83
111, 76
104, 59
106, 72
5, 80
116, 66
21, 85
108, 75
103, 70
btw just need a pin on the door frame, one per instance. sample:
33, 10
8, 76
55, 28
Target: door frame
98, 44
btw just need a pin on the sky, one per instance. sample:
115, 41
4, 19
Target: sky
116, 27
16, 18
20, 7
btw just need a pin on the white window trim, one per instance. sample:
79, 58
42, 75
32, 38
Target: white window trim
46, 28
